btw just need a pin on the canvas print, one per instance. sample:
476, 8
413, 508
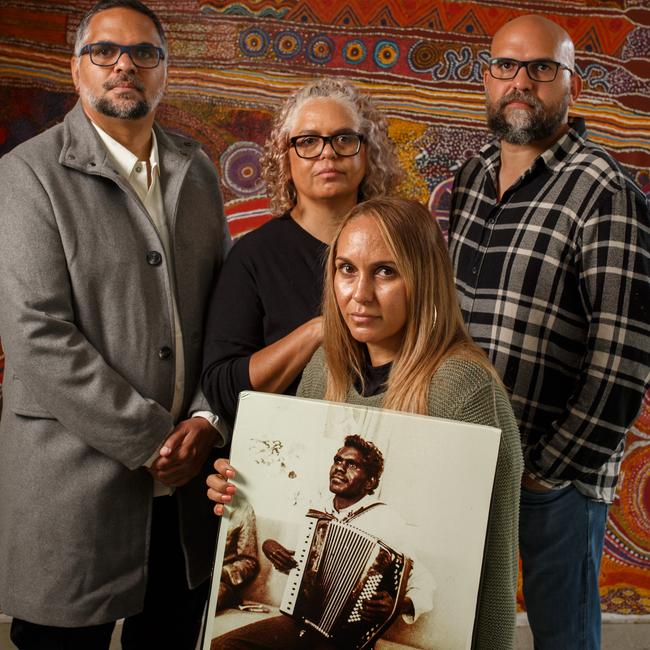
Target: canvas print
352, 528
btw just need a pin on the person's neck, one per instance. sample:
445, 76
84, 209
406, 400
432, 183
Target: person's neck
341, 503
518, 158
321, 218
134, 135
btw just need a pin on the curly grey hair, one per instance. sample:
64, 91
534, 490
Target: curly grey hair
383, 171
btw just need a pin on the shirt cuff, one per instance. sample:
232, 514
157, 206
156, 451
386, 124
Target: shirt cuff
421, 603
217, 423
207, 415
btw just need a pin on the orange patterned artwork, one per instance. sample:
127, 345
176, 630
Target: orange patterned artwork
232, 63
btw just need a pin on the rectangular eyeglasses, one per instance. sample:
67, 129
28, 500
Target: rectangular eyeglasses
311, 146
106, 54
543, 70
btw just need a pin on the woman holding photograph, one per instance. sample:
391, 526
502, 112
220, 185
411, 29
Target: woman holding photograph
329, 149
394, 338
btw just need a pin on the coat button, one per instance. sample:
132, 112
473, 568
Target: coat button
154, 258
164, 352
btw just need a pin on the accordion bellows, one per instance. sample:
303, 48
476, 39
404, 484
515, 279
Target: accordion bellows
338, 568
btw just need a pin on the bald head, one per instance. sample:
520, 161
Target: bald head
534, 37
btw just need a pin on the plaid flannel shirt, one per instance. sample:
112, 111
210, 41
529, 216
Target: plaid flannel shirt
554, 283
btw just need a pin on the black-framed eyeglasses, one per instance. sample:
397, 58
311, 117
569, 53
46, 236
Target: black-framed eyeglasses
106, 54
311, 146
543, 70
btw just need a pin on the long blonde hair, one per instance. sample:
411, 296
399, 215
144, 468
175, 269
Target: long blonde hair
434, 325
383, 169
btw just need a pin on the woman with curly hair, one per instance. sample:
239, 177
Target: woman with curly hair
328, 150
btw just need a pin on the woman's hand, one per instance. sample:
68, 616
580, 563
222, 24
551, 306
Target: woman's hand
220, 489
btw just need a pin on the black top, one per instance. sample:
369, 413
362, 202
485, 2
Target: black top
270, 284
374, 377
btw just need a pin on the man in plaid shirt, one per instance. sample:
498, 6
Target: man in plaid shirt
550, 243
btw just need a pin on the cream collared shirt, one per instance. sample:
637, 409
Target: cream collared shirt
146, 184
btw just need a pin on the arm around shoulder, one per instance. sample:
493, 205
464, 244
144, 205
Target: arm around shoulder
233, 332
275, 366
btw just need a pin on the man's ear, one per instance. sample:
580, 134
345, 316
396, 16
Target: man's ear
74, 69
371, 484
576, 87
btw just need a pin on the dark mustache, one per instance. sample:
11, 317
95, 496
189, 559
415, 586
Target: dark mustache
111, 83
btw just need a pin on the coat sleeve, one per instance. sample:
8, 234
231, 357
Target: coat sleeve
56, 372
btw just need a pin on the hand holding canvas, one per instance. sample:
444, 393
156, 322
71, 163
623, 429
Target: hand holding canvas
219, 489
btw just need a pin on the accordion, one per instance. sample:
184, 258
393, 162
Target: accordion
338, 568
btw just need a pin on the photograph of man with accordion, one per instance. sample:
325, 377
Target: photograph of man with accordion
348, 584
351, 556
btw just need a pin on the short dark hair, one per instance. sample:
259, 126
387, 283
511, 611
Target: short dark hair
373, 459
104, 5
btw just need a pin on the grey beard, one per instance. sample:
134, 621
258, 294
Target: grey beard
539, 124
130, 112
133, 110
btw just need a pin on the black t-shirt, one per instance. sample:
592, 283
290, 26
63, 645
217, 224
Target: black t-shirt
271, 283
375, 378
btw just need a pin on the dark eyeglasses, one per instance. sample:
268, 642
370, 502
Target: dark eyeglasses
311, 146
108, 54
543, 70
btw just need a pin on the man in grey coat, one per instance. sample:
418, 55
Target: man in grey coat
112, 233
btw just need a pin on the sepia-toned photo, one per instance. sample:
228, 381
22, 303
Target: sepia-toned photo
352, 528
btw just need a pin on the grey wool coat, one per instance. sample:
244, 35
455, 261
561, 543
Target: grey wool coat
87, 325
